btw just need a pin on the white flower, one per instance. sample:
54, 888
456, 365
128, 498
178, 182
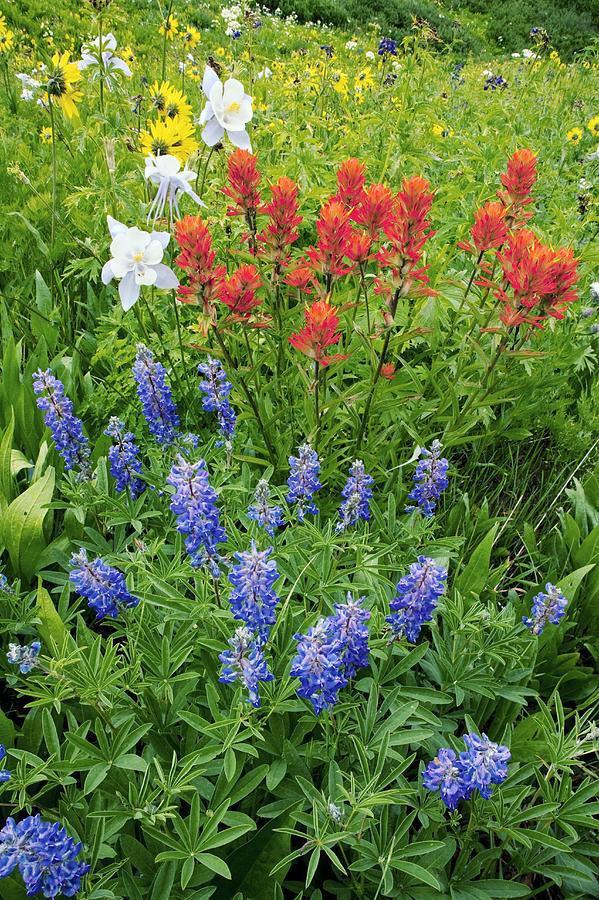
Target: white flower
595, 292
526, 53
111, 64
487, 73
165, 172
264, 73
136, 260
369, 54
351, 45
228, 109
516, 55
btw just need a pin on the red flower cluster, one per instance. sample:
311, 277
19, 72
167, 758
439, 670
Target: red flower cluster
350, 183
334, 235
490, 228
374, 209
537, 281
238, 293
197, 261
244, 184
318, 333
407, 230
281, 230
519, 178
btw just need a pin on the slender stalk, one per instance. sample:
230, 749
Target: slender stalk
249, 397
203, 182
470, 283
52, 128
317, 401
101, 64
166, 27
383, 356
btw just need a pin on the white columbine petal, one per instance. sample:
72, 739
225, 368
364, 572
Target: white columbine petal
136, 260
213, 132
210, 78
240, 139
165, 278
128, 291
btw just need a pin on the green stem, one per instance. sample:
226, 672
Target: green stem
180, 337
51, 108
205, 172
317, 401
166, 26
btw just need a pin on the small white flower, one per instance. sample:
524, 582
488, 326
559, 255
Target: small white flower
595, 292
370, 54
228, 109
165, 171
264, 73
351, 45
111, 64
137, 260
526, 53
516, 55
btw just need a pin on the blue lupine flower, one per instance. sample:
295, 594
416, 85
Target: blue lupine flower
456, 74
483, 764
416, 598
103, 586
431, 480
125, 464
547, 608
25, 657
387, 47
493, 82
303, 481
318, 666
194, 504
328, 50
253, 599
348, 625
66, 428
236, 34
45, 855
155, 396
4, 773
443, 774
245, 661
5, 587
268, 517
216, 389
356, 495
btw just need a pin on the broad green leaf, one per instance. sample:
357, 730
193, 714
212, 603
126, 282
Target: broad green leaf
23, 525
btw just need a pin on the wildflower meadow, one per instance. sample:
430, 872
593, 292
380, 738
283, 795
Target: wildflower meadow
299, 471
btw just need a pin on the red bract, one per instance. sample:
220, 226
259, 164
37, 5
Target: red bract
518, 182
350, 183
407, 230
359, 246
537, 281
489, 230
318, 333
334, 233
244, 184
197, 260
388, 371
374, 210
238, 292
281, 231
302, 277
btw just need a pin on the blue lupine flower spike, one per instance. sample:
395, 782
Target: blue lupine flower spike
103, 586
123, 456
245, 660
253, 599
348, 624
356, 497
155, 395
66, 428
479, 767
216, 388
267, 516
198, 517
4, 773
25, 657
318, 666
45, 855
547, 608
303, 481
416, 598
431, 480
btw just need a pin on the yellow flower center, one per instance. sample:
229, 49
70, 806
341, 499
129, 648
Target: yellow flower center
233, 107
137, 257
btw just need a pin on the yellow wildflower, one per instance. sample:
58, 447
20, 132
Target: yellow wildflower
220, 51
574, 135
169, 136
6, 40
61, 80
170, 28
442, 131
191, 36
46, 135
593, 126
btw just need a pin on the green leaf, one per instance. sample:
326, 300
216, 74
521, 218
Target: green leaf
7, 484
51, 627
22, 528
95, 776
215, 864
416, 871
473, 576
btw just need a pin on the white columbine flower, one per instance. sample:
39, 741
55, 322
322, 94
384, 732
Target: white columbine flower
264, 73
28, 85
111, 64
136, 260
228, 109
165, 171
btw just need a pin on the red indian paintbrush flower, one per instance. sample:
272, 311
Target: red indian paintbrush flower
490, 228
281, 231
374, 210
197, 261
244, 183
518, 182
537, 281
350, 183
334, 233
238, 292
318, 333
407, 230
302, 277
359, 246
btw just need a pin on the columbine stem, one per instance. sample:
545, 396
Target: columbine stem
53, 130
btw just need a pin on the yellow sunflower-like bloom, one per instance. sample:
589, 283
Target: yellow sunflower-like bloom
175, 137
191, 37
46, 135
593, 126
7, 40
442, 131
574, 135
170, 28
61, 80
